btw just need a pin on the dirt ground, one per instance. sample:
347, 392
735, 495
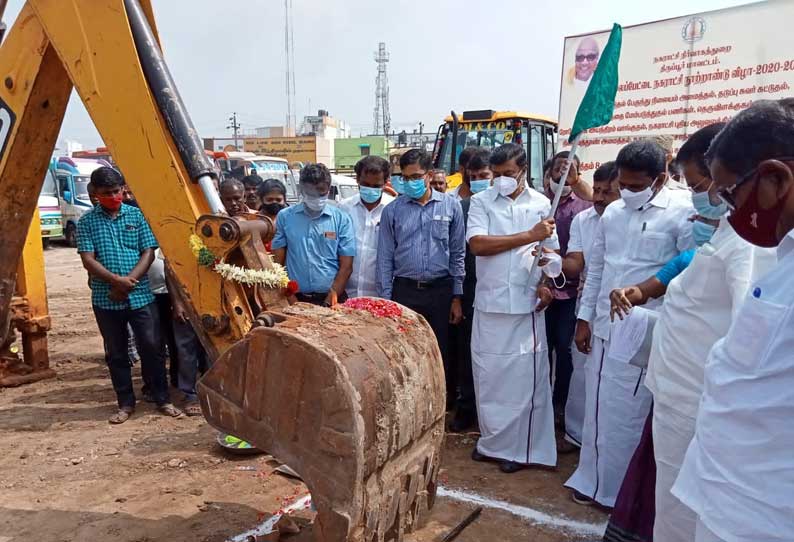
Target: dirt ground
68, 475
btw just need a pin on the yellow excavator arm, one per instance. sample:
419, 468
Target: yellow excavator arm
353, 402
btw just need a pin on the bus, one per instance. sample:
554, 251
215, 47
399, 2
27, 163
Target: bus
50, 215
490, 129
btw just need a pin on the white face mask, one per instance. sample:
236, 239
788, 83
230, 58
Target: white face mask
505, 185
565, 191
635, 200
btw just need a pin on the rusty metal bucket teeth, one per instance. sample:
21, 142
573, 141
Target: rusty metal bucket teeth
352, 402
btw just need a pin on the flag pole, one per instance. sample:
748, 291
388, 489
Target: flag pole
557, 196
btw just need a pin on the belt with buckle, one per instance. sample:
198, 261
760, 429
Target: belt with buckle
423, 284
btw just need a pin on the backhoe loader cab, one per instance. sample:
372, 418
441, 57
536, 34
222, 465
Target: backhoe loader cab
490, 129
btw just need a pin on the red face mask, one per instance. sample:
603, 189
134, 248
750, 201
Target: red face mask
111, 203
756, 225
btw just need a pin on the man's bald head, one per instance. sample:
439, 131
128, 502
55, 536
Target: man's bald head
587, 55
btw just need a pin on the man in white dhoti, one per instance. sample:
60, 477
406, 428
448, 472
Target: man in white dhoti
583, 228
636, 236
738, 472
509, 358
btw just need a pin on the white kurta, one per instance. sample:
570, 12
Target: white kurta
509, 354
583, 229
697, 311
362, 282
737, 475
629, 247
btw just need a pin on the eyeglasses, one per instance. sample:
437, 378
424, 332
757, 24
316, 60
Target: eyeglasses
728, 194
590, 58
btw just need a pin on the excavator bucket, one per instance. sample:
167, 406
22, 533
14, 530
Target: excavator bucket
352, 401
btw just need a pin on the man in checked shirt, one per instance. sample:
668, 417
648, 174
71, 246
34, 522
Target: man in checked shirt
117, 246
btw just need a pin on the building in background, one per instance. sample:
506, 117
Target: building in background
349, 151
324, 125
303, 149
273, 131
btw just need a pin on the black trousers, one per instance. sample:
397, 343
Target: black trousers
319, 298
167, 333
560, 329
433, 302
145, 323
460, 355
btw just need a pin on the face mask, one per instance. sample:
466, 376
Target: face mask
505, 185
398, 184
369, 194
111, 203
755, 225
703, 206
272, 208
479, 185
635, 200
702, 232
415, 188
315, 203
565, 191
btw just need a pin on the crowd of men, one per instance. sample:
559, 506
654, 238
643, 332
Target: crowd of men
689, 440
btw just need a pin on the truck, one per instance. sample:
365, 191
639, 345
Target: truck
489, 129
679, 75
72, 176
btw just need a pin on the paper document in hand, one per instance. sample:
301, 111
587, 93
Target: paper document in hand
630, 338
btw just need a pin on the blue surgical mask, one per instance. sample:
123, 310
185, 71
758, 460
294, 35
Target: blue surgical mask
315, 203
478, 185
702, 232
704, 207
415, 188
369, 194
398, 184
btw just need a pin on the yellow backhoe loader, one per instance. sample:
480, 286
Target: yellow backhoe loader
351, 401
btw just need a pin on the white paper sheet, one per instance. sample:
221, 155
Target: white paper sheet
630, 338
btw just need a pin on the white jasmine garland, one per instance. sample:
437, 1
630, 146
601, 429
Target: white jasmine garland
271, 278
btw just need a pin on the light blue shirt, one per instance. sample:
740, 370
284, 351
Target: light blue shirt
421, 242
314, 245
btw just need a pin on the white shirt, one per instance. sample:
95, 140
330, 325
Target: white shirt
631, 246
738, 473
156, 274
362, 282
698, 308
503, 282
583, 229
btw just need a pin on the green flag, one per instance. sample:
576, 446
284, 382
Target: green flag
598, 103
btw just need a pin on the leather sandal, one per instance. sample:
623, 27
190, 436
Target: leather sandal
121, 416
168, 409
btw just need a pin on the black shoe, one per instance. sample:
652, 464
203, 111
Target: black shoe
509, 467
477, 456
462, 421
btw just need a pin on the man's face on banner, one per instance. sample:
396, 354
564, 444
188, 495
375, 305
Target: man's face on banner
587, 55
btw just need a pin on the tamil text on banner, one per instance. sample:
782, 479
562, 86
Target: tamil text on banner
678, 75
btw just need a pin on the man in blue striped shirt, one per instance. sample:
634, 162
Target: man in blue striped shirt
421, 253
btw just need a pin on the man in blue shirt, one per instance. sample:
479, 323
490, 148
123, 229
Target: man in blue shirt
421, 254
316, 241
117, 246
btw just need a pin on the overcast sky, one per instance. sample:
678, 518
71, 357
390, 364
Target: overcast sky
228, 55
